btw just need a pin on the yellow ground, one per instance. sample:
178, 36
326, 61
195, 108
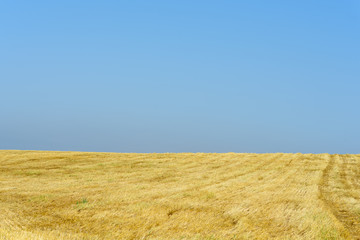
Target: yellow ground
75, 195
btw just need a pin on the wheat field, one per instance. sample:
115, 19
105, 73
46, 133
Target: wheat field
80, 195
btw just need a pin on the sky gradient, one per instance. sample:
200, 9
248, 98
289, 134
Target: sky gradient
180, 76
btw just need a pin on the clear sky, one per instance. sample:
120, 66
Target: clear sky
180, 76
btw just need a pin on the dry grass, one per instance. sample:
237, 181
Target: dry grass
74, 195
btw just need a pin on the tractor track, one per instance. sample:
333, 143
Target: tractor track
334, 199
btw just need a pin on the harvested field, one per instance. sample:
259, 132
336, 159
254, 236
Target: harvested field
80, 195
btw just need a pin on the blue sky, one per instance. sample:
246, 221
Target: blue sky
180, 76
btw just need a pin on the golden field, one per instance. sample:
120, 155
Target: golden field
79, 195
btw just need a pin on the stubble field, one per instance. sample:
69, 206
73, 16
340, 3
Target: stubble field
79, 195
